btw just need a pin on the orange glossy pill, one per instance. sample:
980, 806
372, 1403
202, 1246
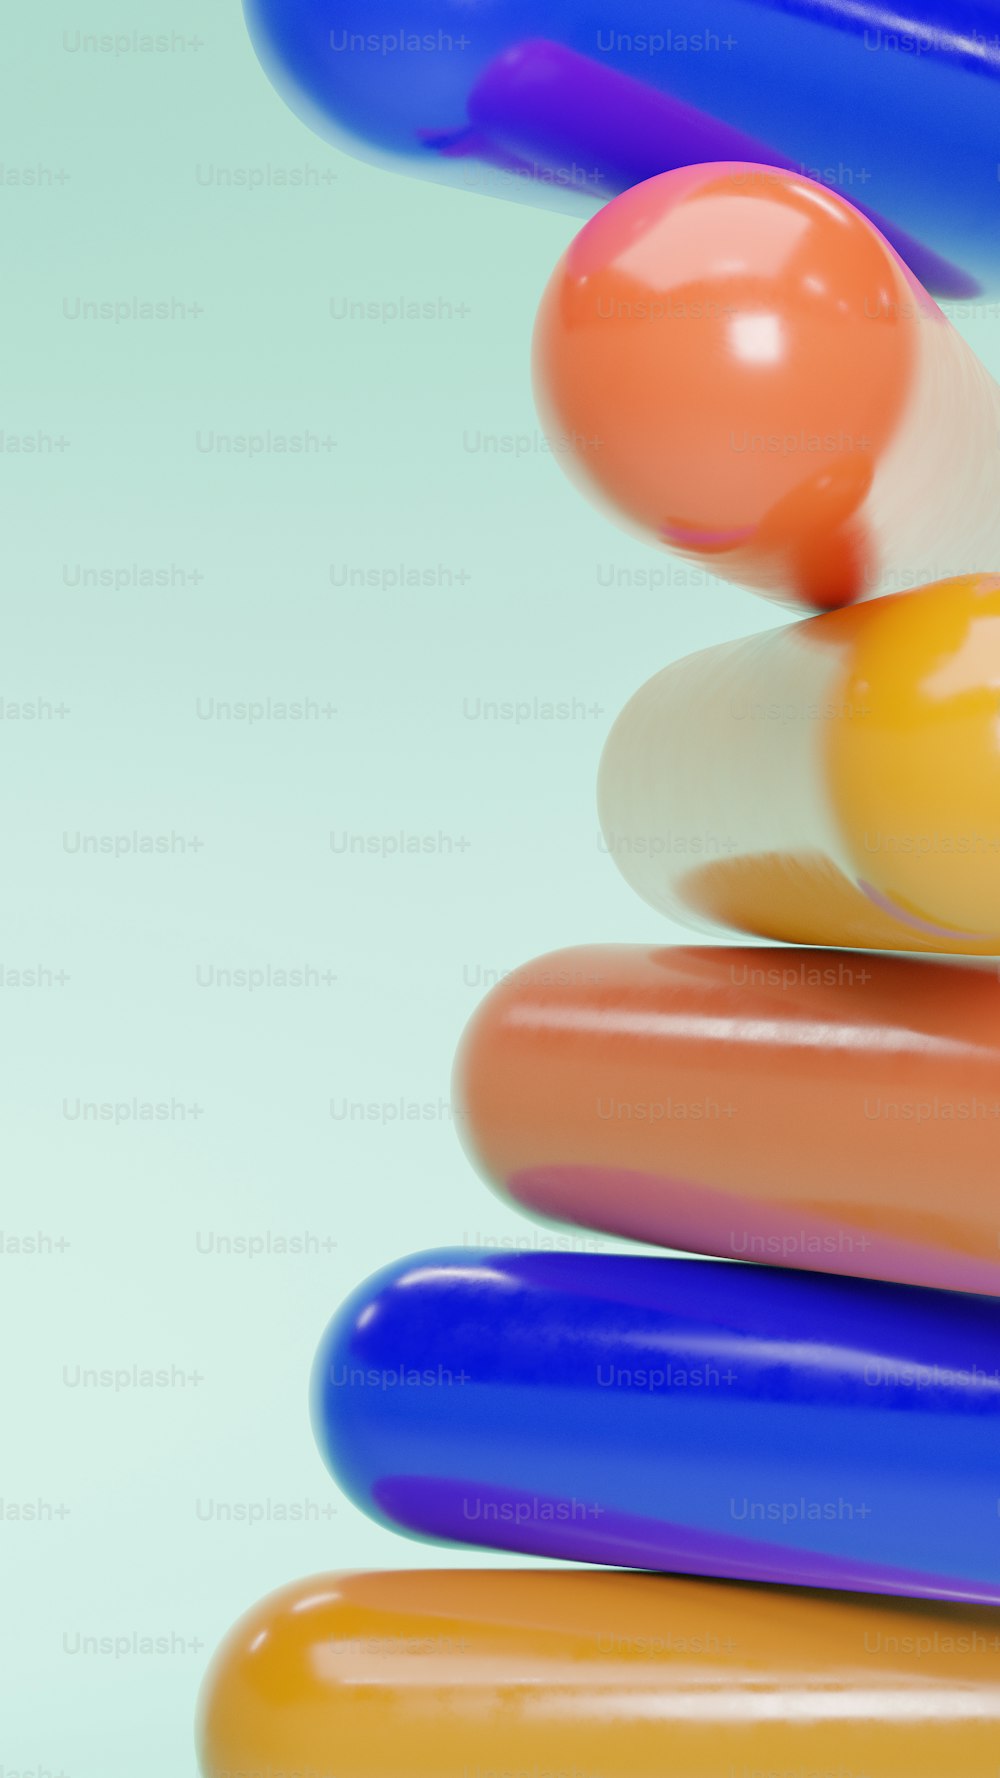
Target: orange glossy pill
835, 781
737, 364
580, 1675
814, 1109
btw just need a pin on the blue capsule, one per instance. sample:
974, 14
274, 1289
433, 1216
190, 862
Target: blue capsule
564, 105
680, 1415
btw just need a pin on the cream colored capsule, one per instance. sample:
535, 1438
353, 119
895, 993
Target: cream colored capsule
831, 782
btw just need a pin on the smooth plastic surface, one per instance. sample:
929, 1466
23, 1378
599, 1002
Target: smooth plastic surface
832, 782
576, 1675
567, 105
803, 1108
682, 1415
737, 366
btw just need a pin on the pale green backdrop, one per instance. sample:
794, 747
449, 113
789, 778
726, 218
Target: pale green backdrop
149, 578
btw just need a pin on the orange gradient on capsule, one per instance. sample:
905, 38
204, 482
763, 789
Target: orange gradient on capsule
596, 1675
819, 1110
737, 364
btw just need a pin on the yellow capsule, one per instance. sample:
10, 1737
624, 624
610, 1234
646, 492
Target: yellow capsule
581, 1674
831, 782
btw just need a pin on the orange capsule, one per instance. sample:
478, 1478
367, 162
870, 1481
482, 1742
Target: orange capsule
830, 782
549, 1674
737, 364
814, 1109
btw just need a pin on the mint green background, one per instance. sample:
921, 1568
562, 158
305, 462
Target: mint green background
411, 940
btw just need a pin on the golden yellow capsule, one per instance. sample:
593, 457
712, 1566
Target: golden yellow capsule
581, 1674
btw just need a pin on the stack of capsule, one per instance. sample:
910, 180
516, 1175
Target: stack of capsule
805, 1449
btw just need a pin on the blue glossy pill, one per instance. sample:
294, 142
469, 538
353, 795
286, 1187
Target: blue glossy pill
696, 1417
563, 105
